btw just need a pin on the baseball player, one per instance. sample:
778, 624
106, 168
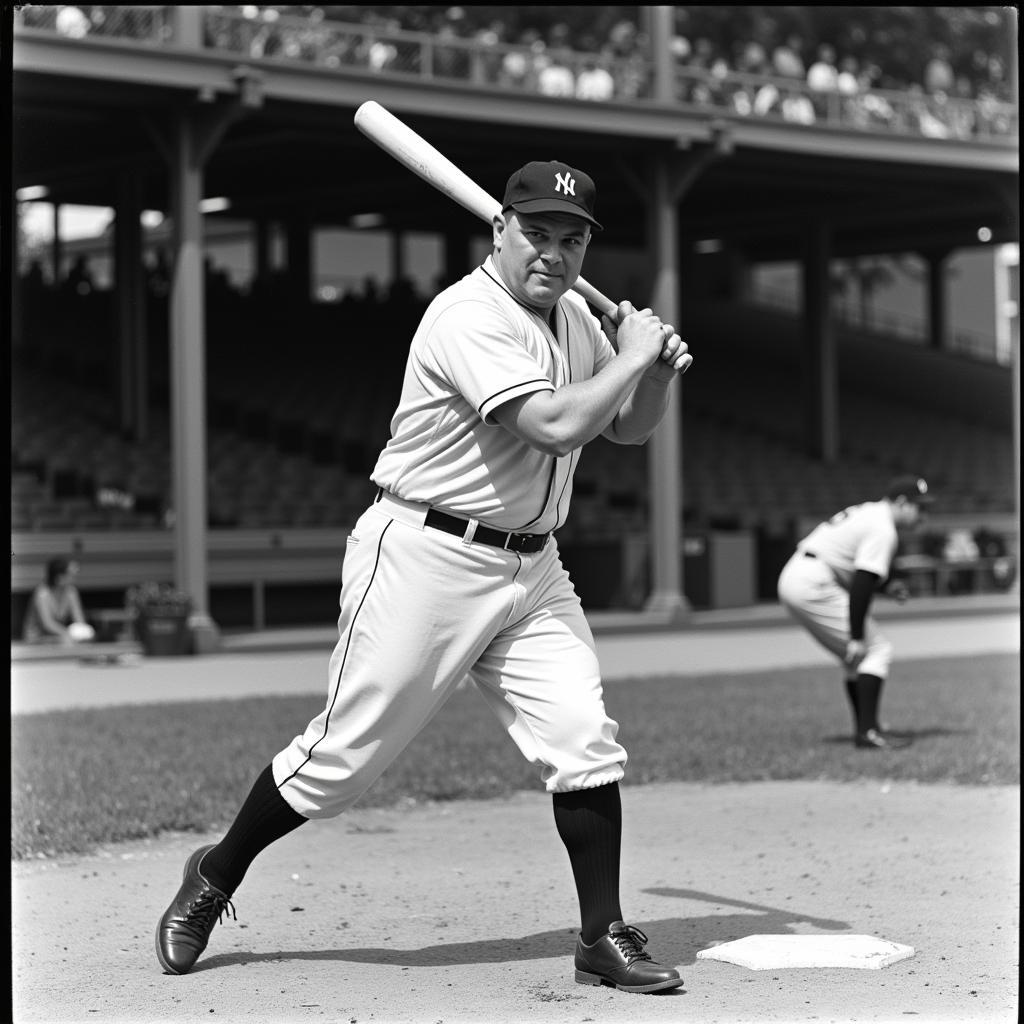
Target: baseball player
830, 581
454, 571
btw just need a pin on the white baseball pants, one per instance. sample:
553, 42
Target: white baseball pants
422, 609
809, 591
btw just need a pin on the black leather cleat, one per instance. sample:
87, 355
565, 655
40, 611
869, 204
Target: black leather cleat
875, 740
184, 930
618, 958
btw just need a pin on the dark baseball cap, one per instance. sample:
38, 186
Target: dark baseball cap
551, 186
913, 488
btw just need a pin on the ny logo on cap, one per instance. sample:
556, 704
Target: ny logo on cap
565, 183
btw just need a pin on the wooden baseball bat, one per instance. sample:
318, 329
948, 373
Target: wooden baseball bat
419, 156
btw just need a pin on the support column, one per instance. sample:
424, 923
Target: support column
186, 141
669, 177
131, 308
187, 26
938, 337
188, 369
661, 28
664, 450
300, 264
821, 364
261, 242
57, 247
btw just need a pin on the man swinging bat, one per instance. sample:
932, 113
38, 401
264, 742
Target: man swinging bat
454, 569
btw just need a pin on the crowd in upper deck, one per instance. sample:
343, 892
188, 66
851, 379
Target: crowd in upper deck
942, 72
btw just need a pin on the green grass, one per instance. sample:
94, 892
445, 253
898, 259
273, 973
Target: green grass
83, 778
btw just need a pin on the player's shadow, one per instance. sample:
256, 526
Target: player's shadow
913, 735
674, 940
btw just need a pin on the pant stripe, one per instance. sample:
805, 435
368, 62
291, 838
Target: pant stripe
341, 669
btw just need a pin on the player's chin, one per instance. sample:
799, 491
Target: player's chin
547, 288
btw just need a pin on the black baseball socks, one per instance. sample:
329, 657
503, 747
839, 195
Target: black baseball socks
865, 694
264, 818
589, 823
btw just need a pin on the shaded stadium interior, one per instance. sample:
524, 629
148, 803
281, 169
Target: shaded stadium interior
299, 394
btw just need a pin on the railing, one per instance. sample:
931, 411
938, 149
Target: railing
567, 74
910, 112
152, 26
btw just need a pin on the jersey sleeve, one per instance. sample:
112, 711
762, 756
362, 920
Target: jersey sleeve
475, 350
876, 550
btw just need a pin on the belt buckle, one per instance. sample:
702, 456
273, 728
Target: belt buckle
508, 540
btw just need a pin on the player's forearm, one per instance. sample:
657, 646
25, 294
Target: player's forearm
642, 411
862, 590
558, 422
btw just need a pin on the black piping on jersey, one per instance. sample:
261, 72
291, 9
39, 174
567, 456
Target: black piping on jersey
519, 384
344, 659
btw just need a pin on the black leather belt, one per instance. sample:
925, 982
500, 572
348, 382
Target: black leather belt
810, 554
526, 543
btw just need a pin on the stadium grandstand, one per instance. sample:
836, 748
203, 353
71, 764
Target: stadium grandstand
172, 421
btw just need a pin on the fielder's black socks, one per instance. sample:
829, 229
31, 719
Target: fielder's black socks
868, 690
589, 823
851, 693
264, 818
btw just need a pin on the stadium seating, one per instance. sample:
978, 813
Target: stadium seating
291, 444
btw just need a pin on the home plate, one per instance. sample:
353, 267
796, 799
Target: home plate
771, 952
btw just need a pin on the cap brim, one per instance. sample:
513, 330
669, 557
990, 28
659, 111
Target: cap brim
555, 206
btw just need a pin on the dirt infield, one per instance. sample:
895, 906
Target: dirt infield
464, 912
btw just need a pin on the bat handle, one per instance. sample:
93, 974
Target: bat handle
597, 299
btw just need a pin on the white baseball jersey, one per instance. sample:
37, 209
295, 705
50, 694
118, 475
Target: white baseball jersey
859, 537
423, 609
476, 348
815, 590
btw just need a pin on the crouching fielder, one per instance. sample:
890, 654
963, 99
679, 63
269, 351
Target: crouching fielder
828, 585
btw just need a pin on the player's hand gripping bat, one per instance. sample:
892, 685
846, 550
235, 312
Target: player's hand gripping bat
419, 156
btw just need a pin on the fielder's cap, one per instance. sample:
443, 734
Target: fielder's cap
550, 186
913, 488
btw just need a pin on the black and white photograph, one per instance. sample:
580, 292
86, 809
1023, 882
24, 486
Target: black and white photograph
515, 514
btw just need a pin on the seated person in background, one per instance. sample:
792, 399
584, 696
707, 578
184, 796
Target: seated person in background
55, 609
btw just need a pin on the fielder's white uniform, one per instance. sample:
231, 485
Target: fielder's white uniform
422, 608
814, 584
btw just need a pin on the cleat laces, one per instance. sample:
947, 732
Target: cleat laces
201, 912
630, 942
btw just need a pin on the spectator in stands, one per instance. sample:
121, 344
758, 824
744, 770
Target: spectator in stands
54, 610
517, 68
823, 75
961, 113
787, 61
490, 36
450, 61
595, 81
79, 278
556, 77
938, 72
33, 281
922, 115
72, 22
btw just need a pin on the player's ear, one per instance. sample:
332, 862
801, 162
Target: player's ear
498, 227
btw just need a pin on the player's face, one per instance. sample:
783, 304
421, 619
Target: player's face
539, 255
908, 514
